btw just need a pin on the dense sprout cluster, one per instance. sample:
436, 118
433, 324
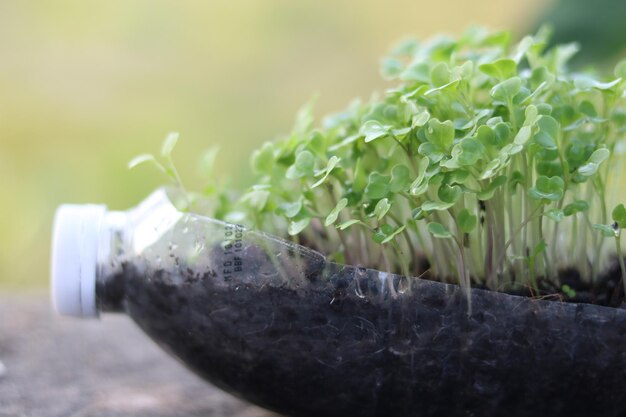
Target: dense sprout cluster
487, 160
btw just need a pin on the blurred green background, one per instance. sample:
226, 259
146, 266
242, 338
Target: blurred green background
85, 86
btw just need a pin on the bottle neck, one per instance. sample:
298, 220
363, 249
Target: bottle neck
113, 253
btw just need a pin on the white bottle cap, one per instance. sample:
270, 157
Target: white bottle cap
74, 252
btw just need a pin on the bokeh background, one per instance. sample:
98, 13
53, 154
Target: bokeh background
86, 85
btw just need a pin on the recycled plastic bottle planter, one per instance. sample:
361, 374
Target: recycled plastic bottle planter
276, 324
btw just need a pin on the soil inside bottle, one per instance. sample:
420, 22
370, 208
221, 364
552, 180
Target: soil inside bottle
356, 342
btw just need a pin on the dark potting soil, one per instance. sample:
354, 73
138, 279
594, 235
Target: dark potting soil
607, 290
320, 339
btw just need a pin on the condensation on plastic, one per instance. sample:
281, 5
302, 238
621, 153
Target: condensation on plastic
277, 324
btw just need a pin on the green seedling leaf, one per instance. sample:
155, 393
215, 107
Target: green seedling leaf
317, 144
449, 194
360, 178
381, 233
385, 233
593, 163
588, 109
168, 144
523, 135
145, 158
420, 119
207, 160
334, 213
458, 176
563, 53
290, 210
508, 151
548, 133
373, 130
583, 82
568, 291
382, 207
448, 88
492, 168
550, 168
430, 150
577, 206
400, 179
619, 216
401, 133
606, 230
391, 68
531, 115
486, 136
517, 178
541, 76
297, 226
429, 206
480, 115
256, 198
465, 153
440, 74
438, 230
547, 188
505, 91
406, 47
488, 192
419, 214
472, 151
500, 69
377, 186
467, 221
304, 118
349, 140
302, 167
418, 71
393, 234
503, 133
539, 248
263, 159
332, 163
345, 225
440, 134
555, 214
620, 69
419, 185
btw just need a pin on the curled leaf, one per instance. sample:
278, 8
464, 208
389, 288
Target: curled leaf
168, 144
334, 213
332, 163
606, 230
382, 207
593, 163
347, 224
373, 130
142, 159
297, 226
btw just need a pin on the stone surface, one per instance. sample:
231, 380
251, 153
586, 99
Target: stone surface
52, 366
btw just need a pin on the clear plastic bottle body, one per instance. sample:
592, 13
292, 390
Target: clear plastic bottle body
276, 324
183, 248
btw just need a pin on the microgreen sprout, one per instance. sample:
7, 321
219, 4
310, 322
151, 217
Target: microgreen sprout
489, 160
165, 163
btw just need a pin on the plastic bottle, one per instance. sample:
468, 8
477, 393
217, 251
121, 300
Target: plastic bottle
277, 324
